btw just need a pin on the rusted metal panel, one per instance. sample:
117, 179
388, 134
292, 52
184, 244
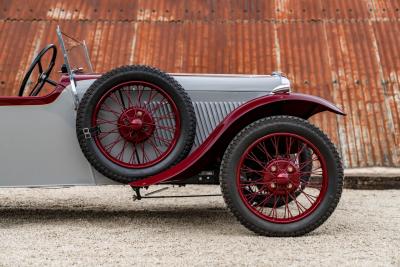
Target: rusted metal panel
195, 10
344, 51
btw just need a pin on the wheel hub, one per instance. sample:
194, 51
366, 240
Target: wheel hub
136, 125
282, 177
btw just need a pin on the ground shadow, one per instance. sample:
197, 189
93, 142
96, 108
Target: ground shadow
210, 218
173, 217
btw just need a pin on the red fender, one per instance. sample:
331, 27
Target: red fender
294, 104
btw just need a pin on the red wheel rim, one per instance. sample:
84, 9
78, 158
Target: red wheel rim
270, 169
138, 123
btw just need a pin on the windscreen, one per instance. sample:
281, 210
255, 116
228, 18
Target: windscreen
76, 59
76, 54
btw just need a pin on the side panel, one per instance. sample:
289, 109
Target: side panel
38, 145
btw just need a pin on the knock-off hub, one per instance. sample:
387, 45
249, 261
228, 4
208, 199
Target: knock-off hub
136, 125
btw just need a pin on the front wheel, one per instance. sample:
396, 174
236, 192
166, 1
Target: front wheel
268, 185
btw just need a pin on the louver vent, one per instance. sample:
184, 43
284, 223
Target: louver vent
209, 115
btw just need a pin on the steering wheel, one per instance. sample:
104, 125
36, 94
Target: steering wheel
43, 74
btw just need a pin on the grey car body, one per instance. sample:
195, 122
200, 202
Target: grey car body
39, 145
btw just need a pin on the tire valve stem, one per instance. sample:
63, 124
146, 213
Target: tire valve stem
273, 168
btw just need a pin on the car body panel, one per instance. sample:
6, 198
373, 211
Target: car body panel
39, 145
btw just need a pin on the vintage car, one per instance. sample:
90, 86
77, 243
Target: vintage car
138, 126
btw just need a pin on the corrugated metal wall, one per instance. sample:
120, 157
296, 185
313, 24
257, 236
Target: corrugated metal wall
344, 50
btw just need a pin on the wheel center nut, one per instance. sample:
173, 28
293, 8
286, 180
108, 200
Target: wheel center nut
136, 124
290, 169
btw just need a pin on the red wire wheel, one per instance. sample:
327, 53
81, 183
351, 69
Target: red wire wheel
270, 171
139, 124
281, 176
134, 122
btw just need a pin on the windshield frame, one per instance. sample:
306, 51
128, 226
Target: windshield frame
70, 71
64, 52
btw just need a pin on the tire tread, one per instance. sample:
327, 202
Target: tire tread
224, 174
91, 91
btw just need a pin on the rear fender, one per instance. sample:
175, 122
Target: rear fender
212, 149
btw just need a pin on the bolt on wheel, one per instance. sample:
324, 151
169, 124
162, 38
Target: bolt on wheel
270, 171
281, 176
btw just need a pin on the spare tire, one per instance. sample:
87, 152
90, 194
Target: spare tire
134, 122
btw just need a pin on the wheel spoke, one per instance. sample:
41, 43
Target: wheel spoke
140, 91
111, 145
100, 121
121, 153
136, 116
35, 87
155, 148
151, 96
300, 151
289, 142
116, 99
254, 158
128, 95
308, 197
103, 135
264, 149
171, 129
254, 194
287, 208
265, 200
252, 183
158, 106
133, 155
251, 170
163, 140
275, 173
275, 143
107, 108
40, 67
273, 213
299, 206
311, 185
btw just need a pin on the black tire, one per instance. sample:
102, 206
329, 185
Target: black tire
115, 78
240, 144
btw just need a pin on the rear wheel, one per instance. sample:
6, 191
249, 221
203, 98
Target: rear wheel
134, 122
272, 185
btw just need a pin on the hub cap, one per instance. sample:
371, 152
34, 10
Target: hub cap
282, 177
136, 125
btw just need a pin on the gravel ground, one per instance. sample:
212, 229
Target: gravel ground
101, 225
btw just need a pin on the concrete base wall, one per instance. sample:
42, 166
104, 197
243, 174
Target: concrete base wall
372, 178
